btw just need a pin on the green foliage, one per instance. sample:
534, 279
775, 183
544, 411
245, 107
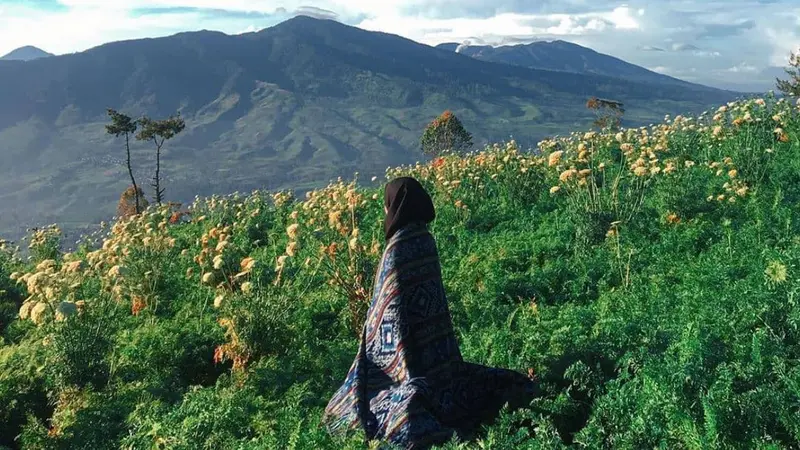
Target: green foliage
230, 326
445, 134
791, 86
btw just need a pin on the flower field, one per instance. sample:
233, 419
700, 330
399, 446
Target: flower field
648, 278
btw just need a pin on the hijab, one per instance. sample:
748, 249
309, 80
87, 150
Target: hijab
406, 202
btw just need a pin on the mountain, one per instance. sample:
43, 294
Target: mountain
27, 53
289, 106
562, 56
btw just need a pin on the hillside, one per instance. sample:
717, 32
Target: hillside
563, 56
27, 53
647, 278
291, 106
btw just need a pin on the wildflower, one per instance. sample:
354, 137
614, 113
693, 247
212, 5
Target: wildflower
555, 189
585, 172
218, 262
566, 175
294, 215
247, 287
673, 218
732, 173
742, 191
291, 231
37, 313
208, 278
619, 137
601, 166
247, 264
688, 163
626, 147
717, 130
218, 300
655, 170
281, 262
459, 204
640, 171
291, 249
25, 310
116, 271
189, 272
776, 272
760, 102
721, 197
353, 243
45, 265
709, 198
554, 158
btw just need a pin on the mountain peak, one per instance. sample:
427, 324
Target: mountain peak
26, 53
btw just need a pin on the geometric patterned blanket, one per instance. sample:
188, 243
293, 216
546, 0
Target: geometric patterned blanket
409, 385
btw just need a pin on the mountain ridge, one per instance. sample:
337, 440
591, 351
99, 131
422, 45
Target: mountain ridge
26, 53
562, 56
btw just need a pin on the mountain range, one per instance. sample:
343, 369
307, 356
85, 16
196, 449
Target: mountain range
27, 53
563, 56
290, 106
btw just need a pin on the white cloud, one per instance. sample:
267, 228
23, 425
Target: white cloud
743, 68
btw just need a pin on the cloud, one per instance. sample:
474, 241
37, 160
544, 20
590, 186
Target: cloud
313, 11
743, 68
650, 48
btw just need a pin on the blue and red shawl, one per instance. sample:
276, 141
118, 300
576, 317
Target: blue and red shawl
409, 384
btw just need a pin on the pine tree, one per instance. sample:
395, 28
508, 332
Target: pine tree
445, 134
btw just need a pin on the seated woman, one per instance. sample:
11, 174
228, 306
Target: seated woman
409, 384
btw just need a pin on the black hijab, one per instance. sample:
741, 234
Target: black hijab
407, 202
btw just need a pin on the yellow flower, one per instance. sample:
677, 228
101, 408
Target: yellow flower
291, 231
247, 287
189, 272
37, 313
353, 244
585, 172
554, 158
221, 246
45, 265
291, 249
555, 189
294, 215
640, 171
116, 271
566, 175
218, 262
218, 300
282, 261
732, 173
717, 130
247, 264
208, 278
25, 310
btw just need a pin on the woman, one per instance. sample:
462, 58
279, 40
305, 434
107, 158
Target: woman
409, 384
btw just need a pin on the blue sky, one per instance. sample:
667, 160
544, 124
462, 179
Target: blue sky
733, 43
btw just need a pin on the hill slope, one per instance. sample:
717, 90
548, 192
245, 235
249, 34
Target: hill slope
27, 53
657, 311
563, 56
292, 105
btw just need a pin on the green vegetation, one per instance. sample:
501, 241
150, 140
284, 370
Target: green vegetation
792, 85
647, 277
445, 134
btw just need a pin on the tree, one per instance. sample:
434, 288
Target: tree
445, 134
159, 131
128, 205
122, 125
791, 87
609, 113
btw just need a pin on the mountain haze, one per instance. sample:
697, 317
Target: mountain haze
562, 56
27, 53
290, 106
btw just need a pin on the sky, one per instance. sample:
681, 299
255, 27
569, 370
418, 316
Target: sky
733, 43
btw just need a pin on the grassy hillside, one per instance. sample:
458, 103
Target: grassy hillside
288, 107
648, 278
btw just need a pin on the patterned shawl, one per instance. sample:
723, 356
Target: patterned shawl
409, 384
